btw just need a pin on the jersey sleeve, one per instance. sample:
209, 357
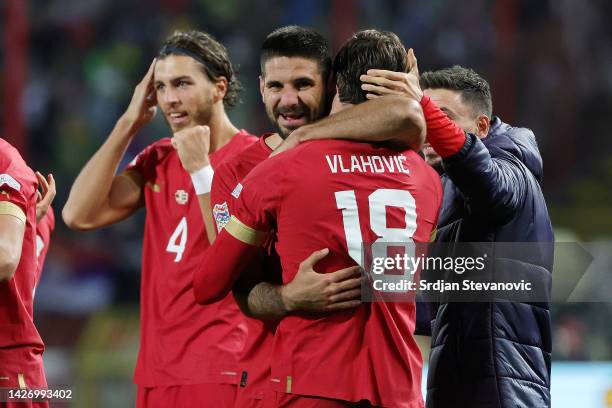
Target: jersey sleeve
43, 233
239, 245
443, 134
221, 199
222, 264
13, 200
145, 161
258, 201
139, 161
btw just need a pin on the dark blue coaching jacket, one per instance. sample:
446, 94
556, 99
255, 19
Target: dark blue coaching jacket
494, 354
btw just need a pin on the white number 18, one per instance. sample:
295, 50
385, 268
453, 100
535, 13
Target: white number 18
379, 200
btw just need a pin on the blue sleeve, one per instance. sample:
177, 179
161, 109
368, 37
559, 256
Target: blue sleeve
492, 181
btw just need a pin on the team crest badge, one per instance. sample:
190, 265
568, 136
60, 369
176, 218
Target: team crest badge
181, 197
221, 214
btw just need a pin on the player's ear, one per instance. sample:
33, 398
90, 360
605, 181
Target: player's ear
336, 105
261, 87
482, 125
221, 86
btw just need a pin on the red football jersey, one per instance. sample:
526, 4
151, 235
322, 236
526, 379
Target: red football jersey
21, 347
339, 195
44, 228
254, 360
181, 342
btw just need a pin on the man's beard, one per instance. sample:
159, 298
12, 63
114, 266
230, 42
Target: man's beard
285, 132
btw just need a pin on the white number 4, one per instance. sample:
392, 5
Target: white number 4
178, 240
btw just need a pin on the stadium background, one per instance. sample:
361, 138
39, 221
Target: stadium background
68, 69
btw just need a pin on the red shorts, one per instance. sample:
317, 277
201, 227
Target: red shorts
24, 404
243, 400
282, 400
196, 395
249, 402
22, 375
246, 399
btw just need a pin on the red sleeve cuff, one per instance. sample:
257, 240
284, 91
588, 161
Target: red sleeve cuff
425, 101
444, 136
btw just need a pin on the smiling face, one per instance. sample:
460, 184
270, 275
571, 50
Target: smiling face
293, 90
184, 93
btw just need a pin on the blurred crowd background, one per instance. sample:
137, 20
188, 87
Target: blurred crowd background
68, 69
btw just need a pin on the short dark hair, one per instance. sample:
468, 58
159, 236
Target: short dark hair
296, 41
474, 89
365, 50
210, 53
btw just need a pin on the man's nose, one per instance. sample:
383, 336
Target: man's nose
169, 96
289, 98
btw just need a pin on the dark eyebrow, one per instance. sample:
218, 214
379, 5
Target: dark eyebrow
274, 83
175, 81
304, 80
181, 78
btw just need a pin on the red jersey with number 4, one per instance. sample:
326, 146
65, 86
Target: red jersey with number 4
21, 347
254, 360
181, 342
339, 194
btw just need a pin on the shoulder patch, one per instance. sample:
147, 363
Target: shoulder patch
9, 181
237, 190
222, 215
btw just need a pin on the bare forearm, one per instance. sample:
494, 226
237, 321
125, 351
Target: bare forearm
308, 292
8, 264
390, 118
11, 241
265, 302
90, 191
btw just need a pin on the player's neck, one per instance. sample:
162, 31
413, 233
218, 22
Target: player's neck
273, 141
221, 130
337, 106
